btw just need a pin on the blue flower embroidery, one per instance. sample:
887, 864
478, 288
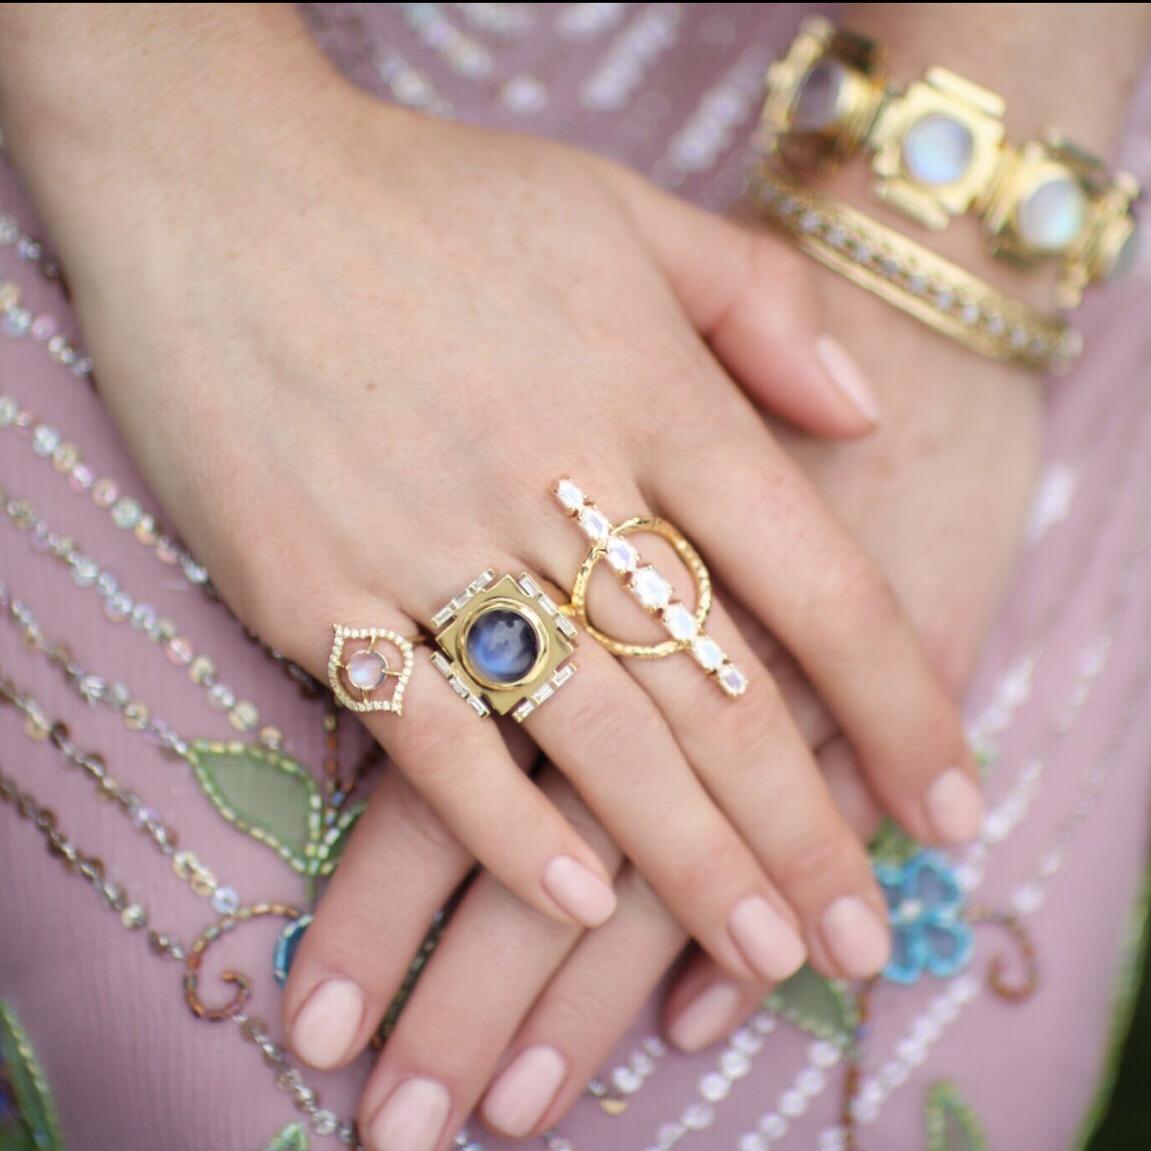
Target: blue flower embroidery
928, 931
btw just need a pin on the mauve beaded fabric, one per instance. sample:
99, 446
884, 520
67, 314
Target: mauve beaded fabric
672, 89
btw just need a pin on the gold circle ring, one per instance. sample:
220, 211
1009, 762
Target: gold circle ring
701, 577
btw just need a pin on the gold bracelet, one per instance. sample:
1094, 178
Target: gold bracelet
938, 149
914, 279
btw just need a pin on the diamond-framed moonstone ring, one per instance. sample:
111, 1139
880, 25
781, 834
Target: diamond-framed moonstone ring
360, 667
654, 593
504, 645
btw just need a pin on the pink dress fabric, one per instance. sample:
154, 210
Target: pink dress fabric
1061, 692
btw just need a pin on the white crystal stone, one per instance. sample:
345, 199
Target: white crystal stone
734, 1064
773, 1125
832, 1139
747, 1041
621, 555
792, 1104
893, 1074
680, 622
763, 1022
698, 1116
366, 670
1125, 258
1051, 215
225, 901
45, 439
708, 654
937, 149
595, 524
714, 1087
753, 1141
651, 589
823, 1054
817, 104
569, 495
642, 1063
626, 1081
811, 1081
732, 680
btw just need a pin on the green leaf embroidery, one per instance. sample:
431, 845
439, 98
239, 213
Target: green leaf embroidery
821, 1006
951, 1124
293, 1138
267, 795
892, 845
36, 1125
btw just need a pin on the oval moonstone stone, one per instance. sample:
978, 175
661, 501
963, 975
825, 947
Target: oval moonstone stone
1051, 215
817, 104
366, 670
937, 149
502, 646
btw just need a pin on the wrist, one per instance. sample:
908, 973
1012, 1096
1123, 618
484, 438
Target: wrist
106, 106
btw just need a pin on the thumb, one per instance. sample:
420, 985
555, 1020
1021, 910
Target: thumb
754, 300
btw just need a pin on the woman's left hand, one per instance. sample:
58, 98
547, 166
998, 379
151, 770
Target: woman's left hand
938, 497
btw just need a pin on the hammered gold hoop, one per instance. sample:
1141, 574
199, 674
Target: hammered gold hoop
654, 593
693, 561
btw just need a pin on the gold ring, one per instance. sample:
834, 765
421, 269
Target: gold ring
504, 645
653, 592
359, 681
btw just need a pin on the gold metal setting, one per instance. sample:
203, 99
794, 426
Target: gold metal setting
654, 593
555, 638
830, 98
944, 96
914, 279
363, 698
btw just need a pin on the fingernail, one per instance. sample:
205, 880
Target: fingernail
768, 942
327, 1024
848, 377
707, 1018
955, 806
858, 941
579, 891
520, 1096
413, 1117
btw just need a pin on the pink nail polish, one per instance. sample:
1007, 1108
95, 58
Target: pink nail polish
955, 806
413, 1117
707, 1018
858, 941
520, 1097
326, 1026
768, 942
579, 891
848, 378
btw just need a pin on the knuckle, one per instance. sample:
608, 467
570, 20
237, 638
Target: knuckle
424, 826
849, 600
817, 862
708, 870
614, 727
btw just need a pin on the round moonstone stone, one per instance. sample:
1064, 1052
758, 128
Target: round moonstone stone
366, 670
937, 149
1051, 215
818, 99
502, 646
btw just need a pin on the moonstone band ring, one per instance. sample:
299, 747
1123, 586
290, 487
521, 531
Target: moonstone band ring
654, 593
504, 645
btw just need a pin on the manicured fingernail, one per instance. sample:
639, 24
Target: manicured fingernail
848, 377
327, 1024
955, 806
413, 1117
579, 891
768, 942
856, 938
707, 1018
518, 1099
